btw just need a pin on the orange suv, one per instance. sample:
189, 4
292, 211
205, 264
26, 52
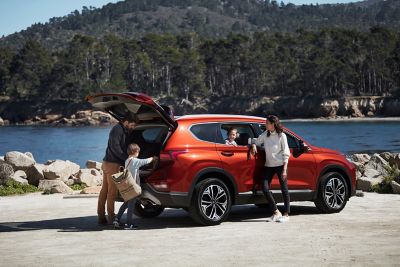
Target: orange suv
196, 171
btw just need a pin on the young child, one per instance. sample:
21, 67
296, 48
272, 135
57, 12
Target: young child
232, 134
133, 164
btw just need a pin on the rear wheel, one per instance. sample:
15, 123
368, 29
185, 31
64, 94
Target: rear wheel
211, 202
147, 211
332, 193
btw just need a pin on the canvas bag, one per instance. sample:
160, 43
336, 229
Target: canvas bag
128, 186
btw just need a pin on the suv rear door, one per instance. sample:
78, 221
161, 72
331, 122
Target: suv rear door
142, 105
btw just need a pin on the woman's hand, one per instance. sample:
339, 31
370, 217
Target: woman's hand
253, 149
284, 174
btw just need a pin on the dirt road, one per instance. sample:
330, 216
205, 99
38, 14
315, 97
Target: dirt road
48, 230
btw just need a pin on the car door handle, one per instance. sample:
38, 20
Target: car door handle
227, 153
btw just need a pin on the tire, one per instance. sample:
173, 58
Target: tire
147, 211
332, 193
211, 202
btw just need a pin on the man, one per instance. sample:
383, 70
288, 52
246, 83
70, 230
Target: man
116, 154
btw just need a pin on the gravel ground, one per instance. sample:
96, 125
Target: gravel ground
49, 230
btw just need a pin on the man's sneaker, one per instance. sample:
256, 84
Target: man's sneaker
283, 219
130, 227
116, 223
274, 218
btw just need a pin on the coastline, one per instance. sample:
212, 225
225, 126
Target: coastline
345, 119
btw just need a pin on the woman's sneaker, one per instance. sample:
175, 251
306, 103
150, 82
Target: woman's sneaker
274, 218
283, 219
130, 227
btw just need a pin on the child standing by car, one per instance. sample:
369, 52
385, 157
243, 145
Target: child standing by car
133, 164
232, 134
277, 155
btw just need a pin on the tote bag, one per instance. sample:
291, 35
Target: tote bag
127, 185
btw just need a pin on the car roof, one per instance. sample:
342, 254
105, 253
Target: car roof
217, 117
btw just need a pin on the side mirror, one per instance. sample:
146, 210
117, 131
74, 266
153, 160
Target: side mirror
304, 147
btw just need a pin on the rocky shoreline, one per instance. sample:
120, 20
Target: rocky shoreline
56, 176
313, 108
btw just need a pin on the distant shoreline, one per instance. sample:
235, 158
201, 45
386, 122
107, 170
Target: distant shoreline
344, 119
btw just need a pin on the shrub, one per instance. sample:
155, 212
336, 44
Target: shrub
14, 188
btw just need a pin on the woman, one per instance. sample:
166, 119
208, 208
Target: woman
277, 155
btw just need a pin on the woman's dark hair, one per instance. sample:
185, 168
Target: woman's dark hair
277, 124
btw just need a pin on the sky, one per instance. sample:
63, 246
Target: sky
17, 15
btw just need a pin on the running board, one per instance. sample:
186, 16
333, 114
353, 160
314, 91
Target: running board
258, 197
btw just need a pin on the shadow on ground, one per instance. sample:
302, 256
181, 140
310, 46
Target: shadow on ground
170, 218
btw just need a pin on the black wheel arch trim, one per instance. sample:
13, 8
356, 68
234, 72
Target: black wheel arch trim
204, 173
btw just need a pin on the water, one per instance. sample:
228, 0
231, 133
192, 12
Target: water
82, 143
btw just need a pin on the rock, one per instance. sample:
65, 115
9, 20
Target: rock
91, 177
82, 114
101, 116
395, 187
70, 181
6, 171
387, 156
366, 184
361, 158
371, 173
91, 164
50, 161
18, 160
60, 169
20, 176
52, 117
29, 154
377, 163
35, 174
360, 167
1, 122
329, 108
2, 159
91, 190
55, 186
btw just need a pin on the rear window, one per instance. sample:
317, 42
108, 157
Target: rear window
205, 132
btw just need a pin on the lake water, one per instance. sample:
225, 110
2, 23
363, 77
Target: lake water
78, 144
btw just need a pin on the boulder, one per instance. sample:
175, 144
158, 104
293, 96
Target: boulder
366, 184
395, 187
361, 158
1, 158
387, 156
82, 114
52, 117
19, 161
20, 177
91, 190
29, 154
91, 164
35, 174
55, 186
1, 121
91, 177
360, 167
6, 171
377, 163
60, 169
371, 173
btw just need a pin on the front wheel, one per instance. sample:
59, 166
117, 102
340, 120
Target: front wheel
332, 193
147, 210
211, 202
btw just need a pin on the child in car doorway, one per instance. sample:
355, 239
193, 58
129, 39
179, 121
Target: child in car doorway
133, 164
232, 134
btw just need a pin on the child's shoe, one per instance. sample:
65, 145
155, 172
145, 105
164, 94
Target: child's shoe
130, 227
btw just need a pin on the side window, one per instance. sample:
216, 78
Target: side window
244, 132
292, 141
152, 135
205, 132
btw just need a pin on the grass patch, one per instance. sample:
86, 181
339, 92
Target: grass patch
78, 186
14, 188
384, 187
